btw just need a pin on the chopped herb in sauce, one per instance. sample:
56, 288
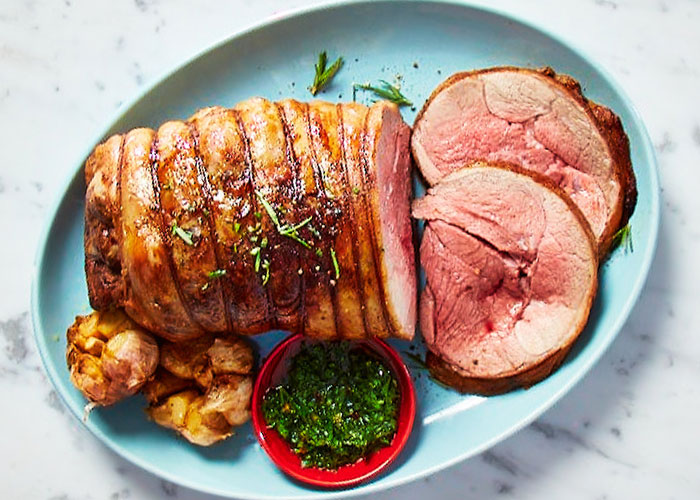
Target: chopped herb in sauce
385, 91
184, 235
338, 403
323, 75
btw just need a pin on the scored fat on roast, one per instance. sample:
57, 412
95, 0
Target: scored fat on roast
511, 273
536, 119
266, 215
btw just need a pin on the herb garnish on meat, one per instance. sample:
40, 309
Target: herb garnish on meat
336, 267
216, 273
184, 235
290, 231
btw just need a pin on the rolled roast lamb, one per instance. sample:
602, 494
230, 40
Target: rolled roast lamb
267, 215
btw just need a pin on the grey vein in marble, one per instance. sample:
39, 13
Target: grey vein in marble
696, 135
501, 462
168, 488
15, 331
557, 433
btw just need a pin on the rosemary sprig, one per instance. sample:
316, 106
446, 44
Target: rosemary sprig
623, 238
268, 208
296, 238
215, 274
184, 235
420, 363
324, 74
336, 267
290, 231
293, 229
385, 91
257, 254
266, 266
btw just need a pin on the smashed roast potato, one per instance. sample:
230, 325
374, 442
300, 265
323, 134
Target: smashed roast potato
202, 388
109, 356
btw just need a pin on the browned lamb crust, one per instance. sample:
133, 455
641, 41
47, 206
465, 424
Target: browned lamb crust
176, 219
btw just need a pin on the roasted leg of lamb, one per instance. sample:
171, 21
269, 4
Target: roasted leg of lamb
268, 215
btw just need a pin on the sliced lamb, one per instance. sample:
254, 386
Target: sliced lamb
511, 269
538, 120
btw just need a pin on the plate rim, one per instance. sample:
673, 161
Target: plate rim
373, 487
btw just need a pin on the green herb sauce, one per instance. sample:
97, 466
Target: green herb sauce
338, 403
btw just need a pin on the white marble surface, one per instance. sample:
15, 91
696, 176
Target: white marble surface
629, 430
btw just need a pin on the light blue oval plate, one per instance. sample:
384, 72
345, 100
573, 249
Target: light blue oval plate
424, 42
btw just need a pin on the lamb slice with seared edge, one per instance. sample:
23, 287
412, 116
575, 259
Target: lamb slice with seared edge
536, 119
511, 273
